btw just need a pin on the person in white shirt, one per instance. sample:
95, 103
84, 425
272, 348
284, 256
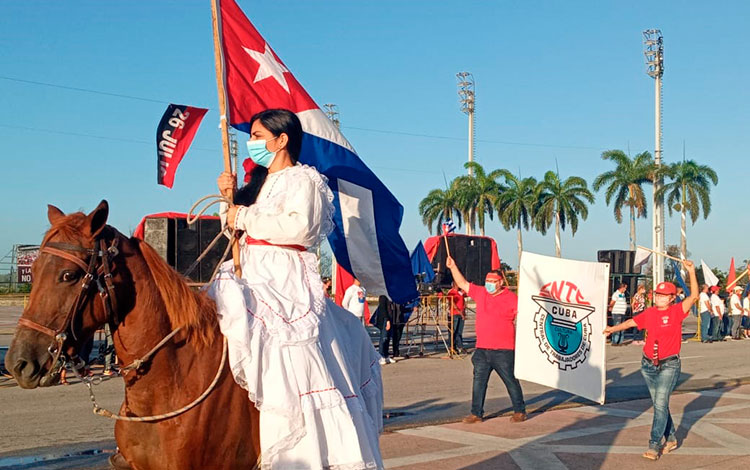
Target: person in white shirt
618, 306
704, 309
735, 309
354, 300
717, 310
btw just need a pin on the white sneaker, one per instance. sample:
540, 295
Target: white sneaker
383, 361
388, 360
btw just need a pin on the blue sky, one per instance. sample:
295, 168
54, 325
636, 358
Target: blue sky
557, 83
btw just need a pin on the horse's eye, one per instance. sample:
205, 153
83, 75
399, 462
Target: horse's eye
68, 276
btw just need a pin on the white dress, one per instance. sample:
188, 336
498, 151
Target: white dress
308, 364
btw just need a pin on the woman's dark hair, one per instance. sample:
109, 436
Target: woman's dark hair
277, 121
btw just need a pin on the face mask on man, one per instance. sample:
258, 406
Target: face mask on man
661, 301
490, 286
259, 153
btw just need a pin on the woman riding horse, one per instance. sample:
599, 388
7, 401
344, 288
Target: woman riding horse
308, 364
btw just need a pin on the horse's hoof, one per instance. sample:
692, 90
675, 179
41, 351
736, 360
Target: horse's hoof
118, 462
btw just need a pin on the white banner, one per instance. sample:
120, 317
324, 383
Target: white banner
562, 311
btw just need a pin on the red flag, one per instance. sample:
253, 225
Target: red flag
256, 79
173, 137
731, 276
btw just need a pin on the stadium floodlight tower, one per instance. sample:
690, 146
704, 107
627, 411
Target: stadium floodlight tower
467, 99
653, 43
332, 111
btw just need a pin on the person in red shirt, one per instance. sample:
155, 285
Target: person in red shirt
458, 315
661, 364
495, 327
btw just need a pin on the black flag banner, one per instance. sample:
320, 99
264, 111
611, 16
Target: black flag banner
173, 137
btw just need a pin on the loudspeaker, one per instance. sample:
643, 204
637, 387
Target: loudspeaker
180, 244
473, 256
620, 261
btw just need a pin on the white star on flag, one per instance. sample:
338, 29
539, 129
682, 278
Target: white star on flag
269, 67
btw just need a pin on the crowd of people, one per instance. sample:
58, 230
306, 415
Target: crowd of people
721, 316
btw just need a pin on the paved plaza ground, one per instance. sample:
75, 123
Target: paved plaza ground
425, 398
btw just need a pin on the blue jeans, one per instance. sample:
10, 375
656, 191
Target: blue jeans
716, 328
385, 341
616, 320
458, 332
502, 362
661, 381
705, 325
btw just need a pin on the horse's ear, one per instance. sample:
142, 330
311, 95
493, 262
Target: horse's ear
54, 214
98, 218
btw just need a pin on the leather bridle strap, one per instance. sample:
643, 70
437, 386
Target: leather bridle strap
66, 255
36, 326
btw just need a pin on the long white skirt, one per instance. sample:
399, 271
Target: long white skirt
307, 363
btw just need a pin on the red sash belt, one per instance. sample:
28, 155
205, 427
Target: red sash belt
253, 241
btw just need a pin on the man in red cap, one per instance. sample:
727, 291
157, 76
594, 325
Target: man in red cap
661, 365
495, 326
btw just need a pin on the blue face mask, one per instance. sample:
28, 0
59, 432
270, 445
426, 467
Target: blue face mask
259, 153
490, 286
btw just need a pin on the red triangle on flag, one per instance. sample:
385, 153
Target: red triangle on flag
256, 79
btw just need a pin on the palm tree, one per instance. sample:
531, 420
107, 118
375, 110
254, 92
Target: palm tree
466, 190
625, 185
688, 192
562, 201
439, 206
478, 194
515, 204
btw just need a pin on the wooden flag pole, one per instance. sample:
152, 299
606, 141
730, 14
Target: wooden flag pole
660, 253
447, 248
219, 61
738, 278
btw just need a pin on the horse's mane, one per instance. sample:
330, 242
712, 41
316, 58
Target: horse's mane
187, 309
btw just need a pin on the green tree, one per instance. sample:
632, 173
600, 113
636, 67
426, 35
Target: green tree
624, 185
515, 205
439, 206
562, 202
477, 194
688, 193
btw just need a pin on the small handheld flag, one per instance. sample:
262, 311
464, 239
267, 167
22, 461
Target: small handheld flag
709, 275
449, 226
641, 256
174, 135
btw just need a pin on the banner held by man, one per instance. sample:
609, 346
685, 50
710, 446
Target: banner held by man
562, 310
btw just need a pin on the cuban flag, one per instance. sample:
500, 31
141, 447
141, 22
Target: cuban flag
366, 241
449, 226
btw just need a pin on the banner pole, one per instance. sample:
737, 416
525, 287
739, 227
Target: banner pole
219, 62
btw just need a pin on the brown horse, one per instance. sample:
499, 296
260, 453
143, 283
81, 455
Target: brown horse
143, 299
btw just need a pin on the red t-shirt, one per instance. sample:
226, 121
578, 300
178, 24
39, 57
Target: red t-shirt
664, 326
495, 315
458, 306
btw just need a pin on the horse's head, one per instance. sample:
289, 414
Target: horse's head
77, 263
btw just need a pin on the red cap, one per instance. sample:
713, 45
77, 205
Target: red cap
714, 289
666, 288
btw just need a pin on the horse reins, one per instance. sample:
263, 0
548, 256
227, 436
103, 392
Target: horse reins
101, 273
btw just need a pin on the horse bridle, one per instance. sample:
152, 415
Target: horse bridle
98, 271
